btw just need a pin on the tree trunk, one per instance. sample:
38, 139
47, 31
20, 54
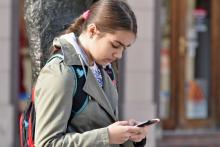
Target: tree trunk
46, 19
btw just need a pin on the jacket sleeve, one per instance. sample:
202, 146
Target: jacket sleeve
53, 103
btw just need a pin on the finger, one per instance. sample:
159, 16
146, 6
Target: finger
142, 130
125, 138
146, 128
132, 122
135, 130
137, 138
123, 123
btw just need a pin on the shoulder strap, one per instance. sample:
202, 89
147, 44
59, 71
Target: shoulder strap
80, 98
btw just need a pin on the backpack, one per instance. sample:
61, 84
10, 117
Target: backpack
27, 118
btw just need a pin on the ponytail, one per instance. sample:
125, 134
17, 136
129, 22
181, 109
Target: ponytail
76, 27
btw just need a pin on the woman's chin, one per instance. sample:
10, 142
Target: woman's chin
104, 62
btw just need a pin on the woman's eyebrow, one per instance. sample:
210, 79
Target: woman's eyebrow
122, 44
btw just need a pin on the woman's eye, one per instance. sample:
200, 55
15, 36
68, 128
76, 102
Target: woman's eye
115, 46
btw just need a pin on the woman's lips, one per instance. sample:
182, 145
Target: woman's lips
108, 60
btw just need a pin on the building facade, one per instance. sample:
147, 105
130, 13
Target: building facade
171, 72
138, 98
9, 72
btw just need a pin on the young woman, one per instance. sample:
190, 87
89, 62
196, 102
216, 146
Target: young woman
95, 39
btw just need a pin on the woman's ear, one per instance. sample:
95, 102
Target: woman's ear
92, 30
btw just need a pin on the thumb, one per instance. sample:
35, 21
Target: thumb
123, 123
132, 122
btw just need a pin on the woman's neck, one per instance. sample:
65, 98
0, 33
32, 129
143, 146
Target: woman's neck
82, 43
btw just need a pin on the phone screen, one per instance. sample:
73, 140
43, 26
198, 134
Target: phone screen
148, 122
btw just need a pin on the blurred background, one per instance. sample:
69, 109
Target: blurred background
171, 72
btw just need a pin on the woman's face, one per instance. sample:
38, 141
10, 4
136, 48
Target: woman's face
108, 47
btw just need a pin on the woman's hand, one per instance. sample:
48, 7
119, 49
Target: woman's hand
120, 132
141, 132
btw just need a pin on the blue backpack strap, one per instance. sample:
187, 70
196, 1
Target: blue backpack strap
80, 98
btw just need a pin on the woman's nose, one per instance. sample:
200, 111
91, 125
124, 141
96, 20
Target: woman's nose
118, 54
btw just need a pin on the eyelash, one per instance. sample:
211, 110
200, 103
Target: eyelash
114, 46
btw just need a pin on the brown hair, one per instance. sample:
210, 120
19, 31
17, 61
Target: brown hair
108, 15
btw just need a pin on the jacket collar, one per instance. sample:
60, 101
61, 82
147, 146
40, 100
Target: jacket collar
68, 51
91, 86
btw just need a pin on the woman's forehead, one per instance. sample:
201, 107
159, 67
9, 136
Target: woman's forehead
125, 37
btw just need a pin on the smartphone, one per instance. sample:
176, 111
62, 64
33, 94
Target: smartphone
148, 122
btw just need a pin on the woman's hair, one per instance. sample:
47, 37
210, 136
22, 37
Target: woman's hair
108, 16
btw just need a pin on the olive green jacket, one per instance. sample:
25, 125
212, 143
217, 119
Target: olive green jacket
53, 102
